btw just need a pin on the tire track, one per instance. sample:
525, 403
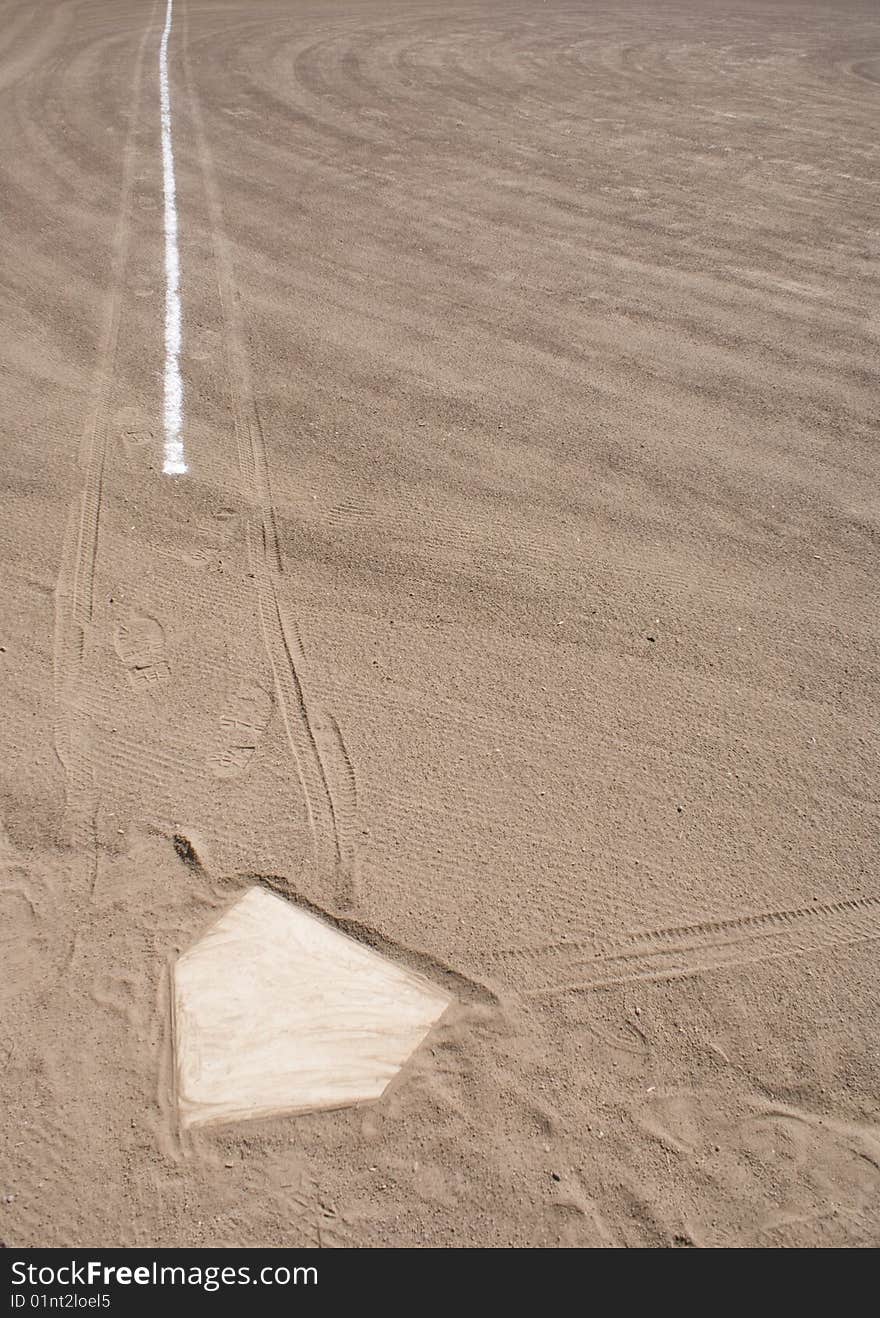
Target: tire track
322, 764
74, 591
677, 952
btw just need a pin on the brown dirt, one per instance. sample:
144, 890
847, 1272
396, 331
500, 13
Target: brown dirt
520, 606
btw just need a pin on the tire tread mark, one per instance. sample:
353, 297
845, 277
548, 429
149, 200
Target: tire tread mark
675, 952
331, 831
74, 590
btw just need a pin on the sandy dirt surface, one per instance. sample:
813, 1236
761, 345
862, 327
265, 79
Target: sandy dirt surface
519, 607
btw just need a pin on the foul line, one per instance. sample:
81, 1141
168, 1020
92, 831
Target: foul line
174, 464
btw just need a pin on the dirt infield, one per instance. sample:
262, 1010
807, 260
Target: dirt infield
518, 607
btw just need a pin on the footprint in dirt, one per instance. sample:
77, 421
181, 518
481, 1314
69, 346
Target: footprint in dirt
139, 642
133, 431
215, 534
242, 724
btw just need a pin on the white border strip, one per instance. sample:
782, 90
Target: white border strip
174, 464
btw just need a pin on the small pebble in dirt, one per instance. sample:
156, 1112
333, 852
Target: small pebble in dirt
652, 639
556, 1176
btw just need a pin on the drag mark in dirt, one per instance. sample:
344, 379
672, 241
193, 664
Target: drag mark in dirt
174, 464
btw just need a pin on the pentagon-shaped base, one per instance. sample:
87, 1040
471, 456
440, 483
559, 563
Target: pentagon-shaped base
275, 1011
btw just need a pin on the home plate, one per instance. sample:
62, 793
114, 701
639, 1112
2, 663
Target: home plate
275, 1011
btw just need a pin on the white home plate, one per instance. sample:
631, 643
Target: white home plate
275, 1011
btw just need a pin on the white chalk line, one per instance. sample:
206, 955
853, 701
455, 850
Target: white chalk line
175, 462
